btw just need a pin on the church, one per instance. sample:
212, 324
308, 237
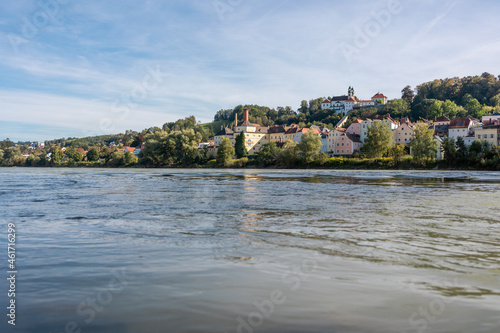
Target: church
344, 104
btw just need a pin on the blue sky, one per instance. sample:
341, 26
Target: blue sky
79, 68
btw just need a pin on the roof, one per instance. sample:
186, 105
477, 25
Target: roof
339, 98
307, 130
379, 95
262, 129
353, 137
326, 101
366, 101
225, 131
292, 130
441, 119
460, 123
277, 129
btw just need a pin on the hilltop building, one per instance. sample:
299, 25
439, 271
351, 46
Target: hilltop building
351, 102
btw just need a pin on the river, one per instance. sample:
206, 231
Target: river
126, 250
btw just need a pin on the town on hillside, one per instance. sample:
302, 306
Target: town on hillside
346, 142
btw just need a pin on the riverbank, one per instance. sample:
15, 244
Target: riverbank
334, 163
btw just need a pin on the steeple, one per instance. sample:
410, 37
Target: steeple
350, 92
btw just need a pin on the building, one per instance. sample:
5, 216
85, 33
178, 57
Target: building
403, 134
464, 128
489, 131
290, 133
441, 121
365, 124
348, 103
355, 127
298, 136
379, 98
277, 133
346, 145
332, 136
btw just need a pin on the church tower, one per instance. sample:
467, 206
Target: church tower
350, 92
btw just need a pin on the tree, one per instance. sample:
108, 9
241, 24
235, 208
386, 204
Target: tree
56, 154
397, 108
378, 140
240, 146
225, 152
268, 155
10, 155
6, 144
449, 150
398, 151
423, 144
309, 146
93, 155
475, 108
462, 151
407, 94
289, 155
73, 154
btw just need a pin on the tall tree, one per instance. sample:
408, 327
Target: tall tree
93, 155
423, 144
309, 146
56, 154
240, 146
449, 150
407, 94
378, 140
225, 152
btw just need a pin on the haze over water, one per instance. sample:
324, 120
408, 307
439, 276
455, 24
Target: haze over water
253, 250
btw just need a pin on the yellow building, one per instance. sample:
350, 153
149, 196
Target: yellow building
489, 132
403, 134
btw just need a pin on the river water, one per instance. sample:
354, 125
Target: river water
122, 250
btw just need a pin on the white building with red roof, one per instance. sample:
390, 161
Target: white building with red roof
379, 98
348, 103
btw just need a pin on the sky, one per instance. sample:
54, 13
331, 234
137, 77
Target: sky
72, 68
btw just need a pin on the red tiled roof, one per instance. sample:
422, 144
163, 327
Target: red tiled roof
326, 101
379, 95
441, 119
460, 123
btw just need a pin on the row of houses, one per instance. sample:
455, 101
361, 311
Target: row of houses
347, 141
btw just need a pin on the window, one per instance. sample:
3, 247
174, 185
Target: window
492, 136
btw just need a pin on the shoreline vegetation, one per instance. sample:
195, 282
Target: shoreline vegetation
334, 163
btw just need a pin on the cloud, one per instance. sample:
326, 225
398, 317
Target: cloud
261, 52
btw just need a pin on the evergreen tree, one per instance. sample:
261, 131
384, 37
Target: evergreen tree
239, 146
